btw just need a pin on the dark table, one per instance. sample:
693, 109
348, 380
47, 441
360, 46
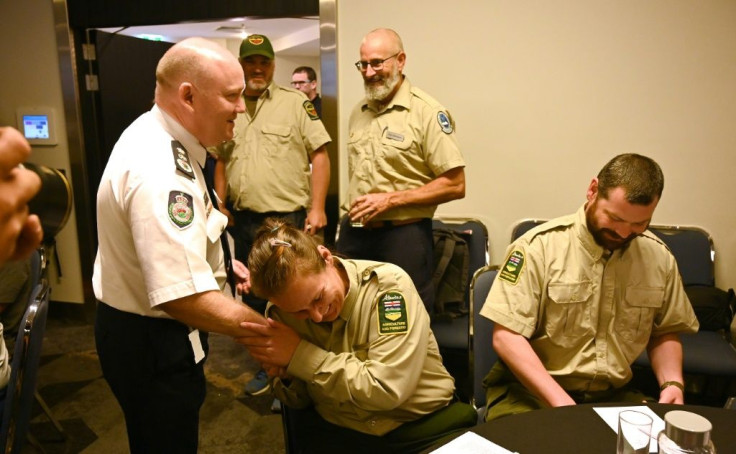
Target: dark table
578, 429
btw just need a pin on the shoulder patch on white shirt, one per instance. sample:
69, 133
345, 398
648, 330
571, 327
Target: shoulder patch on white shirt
181, 209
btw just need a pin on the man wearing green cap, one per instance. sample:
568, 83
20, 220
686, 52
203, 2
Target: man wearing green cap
265, 170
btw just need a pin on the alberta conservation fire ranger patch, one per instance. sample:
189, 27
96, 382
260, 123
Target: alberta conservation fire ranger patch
392, 316
513, 267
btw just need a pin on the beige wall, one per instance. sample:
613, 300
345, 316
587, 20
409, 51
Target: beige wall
545, 92
29, 77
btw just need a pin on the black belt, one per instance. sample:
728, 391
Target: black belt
388, 223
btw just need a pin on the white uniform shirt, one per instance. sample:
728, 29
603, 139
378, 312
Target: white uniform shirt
147, 254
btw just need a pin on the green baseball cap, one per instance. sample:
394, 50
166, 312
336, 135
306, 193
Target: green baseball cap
256, 45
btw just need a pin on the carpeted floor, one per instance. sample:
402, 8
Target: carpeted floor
70, 382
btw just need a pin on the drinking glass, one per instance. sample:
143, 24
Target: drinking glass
634, 432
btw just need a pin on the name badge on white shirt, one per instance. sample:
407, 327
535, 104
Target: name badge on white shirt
216, 224
196, 346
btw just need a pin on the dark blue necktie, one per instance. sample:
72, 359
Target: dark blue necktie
209, 177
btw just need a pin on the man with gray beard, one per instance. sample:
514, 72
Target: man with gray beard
403, 160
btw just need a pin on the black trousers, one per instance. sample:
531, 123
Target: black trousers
409, 246
149, 365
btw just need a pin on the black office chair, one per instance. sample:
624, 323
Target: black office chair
24, 367
524, 226
453, 333
480, 334
705, 352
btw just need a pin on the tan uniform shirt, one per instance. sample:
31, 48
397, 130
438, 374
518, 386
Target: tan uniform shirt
587, 317
267, 162
377, 365
159, 235
405, 146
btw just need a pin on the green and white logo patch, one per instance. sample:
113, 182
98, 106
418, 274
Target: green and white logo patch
392, 317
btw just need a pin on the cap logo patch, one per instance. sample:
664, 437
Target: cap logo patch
444, 122
256, 40
181, 209
311, 111
512, 269
392, 317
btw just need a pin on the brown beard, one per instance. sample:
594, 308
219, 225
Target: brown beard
606, 238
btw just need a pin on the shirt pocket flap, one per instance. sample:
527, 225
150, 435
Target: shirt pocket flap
277, 130
569, 292
644, 296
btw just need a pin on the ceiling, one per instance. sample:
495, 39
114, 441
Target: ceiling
289, 36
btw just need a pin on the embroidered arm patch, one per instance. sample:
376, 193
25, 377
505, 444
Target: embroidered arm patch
445, 123
392, 317
512, 269
311, 111
181, 209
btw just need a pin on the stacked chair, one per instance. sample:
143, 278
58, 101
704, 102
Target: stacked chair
21, 391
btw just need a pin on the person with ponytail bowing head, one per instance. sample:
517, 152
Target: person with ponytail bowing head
348, 347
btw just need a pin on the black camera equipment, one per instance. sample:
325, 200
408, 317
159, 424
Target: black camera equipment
53, 203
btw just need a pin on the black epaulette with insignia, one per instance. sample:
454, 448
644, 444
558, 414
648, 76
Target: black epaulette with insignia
181, 158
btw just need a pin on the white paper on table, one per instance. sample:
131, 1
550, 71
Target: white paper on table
610, 416
471, 443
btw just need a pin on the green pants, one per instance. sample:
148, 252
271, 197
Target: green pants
505, 395
312, 434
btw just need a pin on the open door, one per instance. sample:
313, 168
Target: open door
127, 80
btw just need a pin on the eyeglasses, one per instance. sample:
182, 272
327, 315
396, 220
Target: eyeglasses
299, 83
376, 64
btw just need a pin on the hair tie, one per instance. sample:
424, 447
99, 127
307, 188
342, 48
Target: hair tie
275, 242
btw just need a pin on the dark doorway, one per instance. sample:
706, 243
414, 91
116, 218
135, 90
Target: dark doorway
127, 79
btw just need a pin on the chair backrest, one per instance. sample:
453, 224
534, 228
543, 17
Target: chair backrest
24, 368
524, 226
693, 250
477, 242
480, 332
